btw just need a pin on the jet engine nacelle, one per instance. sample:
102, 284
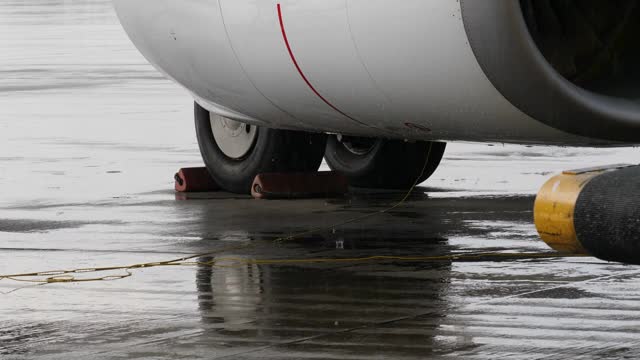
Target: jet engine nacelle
477, 70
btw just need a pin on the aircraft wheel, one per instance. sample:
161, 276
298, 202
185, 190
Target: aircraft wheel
235, 152
385, 164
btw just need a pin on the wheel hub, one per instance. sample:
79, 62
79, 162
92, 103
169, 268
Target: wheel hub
358, 145
235, 139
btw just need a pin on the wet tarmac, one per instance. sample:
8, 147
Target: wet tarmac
91, 136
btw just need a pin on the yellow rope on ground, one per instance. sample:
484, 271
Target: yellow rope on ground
67, 276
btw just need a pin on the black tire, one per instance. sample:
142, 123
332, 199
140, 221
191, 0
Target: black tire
273, 151
388, 164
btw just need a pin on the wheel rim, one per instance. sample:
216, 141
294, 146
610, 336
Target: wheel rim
235, 139
358, 145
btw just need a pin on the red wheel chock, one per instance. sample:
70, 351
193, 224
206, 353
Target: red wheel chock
194, 180
299, 185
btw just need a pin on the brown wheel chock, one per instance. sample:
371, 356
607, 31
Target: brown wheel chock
323, 184
196, 179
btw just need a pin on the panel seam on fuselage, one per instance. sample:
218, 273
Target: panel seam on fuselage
244, 71
359, 55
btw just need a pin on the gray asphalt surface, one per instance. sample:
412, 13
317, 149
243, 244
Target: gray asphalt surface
90, 136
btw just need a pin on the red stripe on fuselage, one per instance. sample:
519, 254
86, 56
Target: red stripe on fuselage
304, 77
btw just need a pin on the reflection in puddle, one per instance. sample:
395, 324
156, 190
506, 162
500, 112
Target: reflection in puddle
235, 292
271, 302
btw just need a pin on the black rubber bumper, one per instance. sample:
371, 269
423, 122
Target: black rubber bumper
594, 211
607, 216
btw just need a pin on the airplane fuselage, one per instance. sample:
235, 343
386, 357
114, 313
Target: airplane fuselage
407, 69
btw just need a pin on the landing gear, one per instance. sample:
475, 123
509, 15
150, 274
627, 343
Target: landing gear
386, 164
235, 153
